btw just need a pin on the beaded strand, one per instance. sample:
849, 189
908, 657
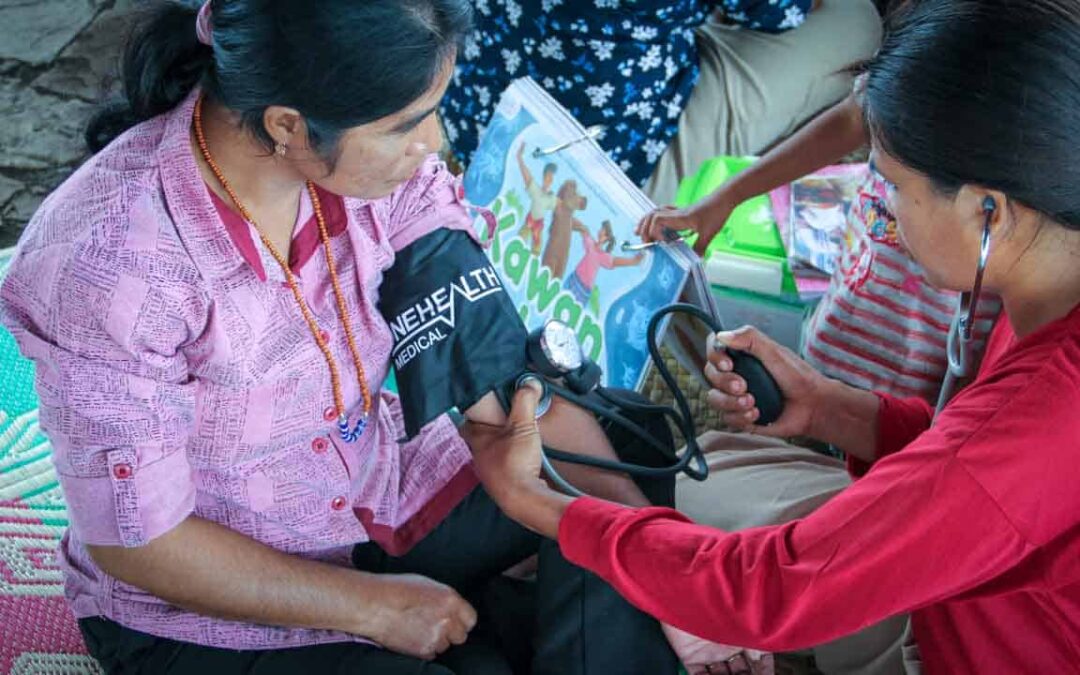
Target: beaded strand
348, 434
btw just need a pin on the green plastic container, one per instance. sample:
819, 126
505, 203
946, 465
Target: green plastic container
751, 232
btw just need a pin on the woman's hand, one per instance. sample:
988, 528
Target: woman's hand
420, 617
800, 384
507, 459
706, 218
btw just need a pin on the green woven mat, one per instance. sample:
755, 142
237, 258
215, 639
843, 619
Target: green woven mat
26, 471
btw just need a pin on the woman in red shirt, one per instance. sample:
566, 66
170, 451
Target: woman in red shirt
970, 521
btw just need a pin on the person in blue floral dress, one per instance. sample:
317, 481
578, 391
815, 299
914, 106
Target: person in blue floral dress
674, 83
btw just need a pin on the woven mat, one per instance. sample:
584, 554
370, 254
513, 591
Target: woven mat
705, 418
39, 633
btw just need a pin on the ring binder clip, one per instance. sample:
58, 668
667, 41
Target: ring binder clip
592, 133
670, 238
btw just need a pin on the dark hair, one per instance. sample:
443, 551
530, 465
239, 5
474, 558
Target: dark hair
341, 63
550, 168
984, 92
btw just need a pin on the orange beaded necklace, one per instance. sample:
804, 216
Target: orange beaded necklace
347, 434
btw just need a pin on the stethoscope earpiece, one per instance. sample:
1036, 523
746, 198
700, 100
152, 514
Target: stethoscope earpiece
962, 331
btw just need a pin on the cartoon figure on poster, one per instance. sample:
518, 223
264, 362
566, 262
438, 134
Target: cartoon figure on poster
541, 199
557, 252
582, 282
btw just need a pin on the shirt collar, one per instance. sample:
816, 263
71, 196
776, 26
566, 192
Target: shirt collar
201, 217
306, 238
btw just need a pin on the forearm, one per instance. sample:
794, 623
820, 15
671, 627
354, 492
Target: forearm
209, 569
847, 418
853, 561
824, 140
571, 429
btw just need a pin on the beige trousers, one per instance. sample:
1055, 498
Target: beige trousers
757, 481
757, 88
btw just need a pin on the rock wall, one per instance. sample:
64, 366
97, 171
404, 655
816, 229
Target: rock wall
58, 61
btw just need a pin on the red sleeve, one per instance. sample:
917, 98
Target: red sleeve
900, 421
874, 551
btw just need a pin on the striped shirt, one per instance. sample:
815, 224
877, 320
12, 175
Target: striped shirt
881, 325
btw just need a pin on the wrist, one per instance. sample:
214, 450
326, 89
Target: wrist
367, 606
719, 204
828, 393
537, 507
846, 417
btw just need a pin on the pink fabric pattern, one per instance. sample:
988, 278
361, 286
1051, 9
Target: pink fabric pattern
177, 378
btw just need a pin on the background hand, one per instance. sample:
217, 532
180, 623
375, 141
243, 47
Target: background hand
706, 218
798, 381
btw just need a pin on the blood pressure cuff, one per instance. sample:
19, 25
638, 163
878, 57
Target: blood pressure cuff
457, 334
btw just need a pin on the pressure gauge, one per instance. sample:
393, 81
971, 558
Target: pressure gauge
554, 349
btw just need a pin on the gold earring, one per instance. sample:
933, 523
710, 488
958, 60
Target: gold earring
280, 149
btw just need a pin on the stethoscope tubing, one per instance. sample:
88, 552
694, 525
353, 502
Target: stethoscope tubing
959, 346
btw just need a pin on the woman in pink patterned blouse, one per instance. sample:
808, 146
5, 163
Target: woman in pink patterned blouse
201, 302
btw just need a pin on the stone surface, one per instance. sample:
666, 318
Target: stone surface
89, 68
35, 31
40, 131
18, 210
8, 189
58, 60
9, 225
25, 203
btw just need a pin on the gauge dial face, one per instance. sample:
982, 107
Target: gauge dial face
561, 346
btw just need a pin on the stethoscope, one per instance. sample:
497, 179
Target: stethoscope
960, 345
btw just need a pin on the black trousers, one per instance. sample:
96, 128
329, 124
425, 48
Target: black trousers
569, 622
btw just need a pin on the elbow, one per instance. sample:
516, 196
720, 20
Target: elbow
141, 566
131, 566
122, 563
853, 113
